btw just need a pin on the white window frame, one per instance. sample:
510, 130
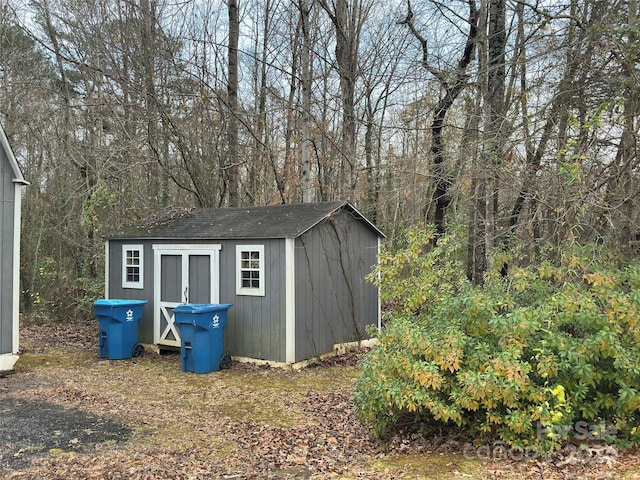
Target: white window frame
133, 248
255, 291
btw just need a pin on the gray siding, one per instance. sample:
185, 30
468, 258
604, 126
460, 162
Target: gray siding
334, 302
256, 327
7, 205
145, 332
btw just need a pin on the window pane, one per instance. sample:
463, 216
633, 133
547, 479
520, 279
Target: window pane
133, 257
246, 279
133, 274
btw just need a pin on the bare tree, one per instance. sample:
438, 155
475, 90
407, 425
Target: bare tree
484, 229
304, 7
451, 83
233, 169
380, 64
348, 18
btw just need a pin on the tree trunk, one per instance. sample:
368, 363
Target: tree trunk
147, 59
492, 69
493, 143
556, 119
262, 144
440, 197
347, 20
232, 165
305, 65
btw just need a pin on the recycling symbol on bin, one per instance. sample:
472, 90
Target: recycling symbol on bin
216, 321
129, 315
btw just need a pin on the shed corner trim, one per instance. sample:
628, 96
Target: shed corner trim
290, 301
15, 294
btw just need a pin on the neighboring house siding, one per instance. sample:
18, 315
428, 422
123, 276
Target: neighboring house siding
333, 301
7, 199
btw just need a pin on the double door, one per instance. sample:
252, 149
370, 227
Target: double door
182, 274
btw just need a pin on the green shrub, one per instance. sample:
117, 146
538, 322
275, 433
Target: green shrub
57, 296
548, 353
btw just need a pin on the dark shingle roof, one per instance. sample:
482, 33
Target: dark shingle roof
277, 221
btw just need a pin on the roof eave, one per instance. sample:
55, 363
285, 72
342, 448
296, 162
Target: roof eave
364, 219
348, 206
147, 238
164, 236
17, 173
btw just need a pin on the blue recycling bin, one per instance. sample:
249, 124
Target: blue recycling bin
202, 336
118, 328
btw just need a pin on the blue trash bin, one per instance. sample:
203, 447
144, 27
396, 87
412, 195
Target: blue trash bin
118, 328
202, 336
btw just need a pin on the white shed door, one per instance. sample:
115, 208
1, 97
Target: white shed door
182, 274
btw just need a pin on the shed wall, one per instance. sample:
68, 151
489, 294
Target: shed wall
114, 268
334, 302
7, 212
256, 325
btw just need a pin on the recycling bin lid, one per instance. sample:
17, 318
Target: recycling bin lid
201, 307
117, 302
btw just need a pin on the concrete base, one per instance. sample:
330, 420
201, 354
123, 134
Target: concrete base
338, 349
7, 361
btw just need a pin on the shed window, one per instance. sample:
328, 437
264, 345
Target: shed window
250, 270
132, 266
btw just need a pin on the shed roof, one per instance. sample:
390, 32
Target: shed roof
276, 221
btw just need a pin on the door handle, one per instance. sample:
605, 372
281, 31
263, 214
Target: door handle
186, 296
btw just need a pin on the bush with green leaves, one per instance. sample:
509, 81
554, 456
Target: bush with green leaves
546, 354
58, 296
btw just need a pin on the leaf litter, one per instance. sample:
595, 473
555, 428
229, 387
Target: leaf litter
144, 418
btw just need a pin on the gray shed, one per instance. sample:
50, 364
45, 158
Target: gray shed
294, 273
11, 182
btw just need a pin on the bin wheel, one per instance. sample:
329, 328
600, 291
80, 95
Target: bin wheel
138, 350
225, 362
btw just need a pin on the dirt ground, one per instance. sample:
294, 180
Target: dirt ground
65, 413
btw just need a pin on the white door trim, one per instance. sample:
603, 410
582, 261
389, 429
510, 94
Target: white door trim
160, 307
